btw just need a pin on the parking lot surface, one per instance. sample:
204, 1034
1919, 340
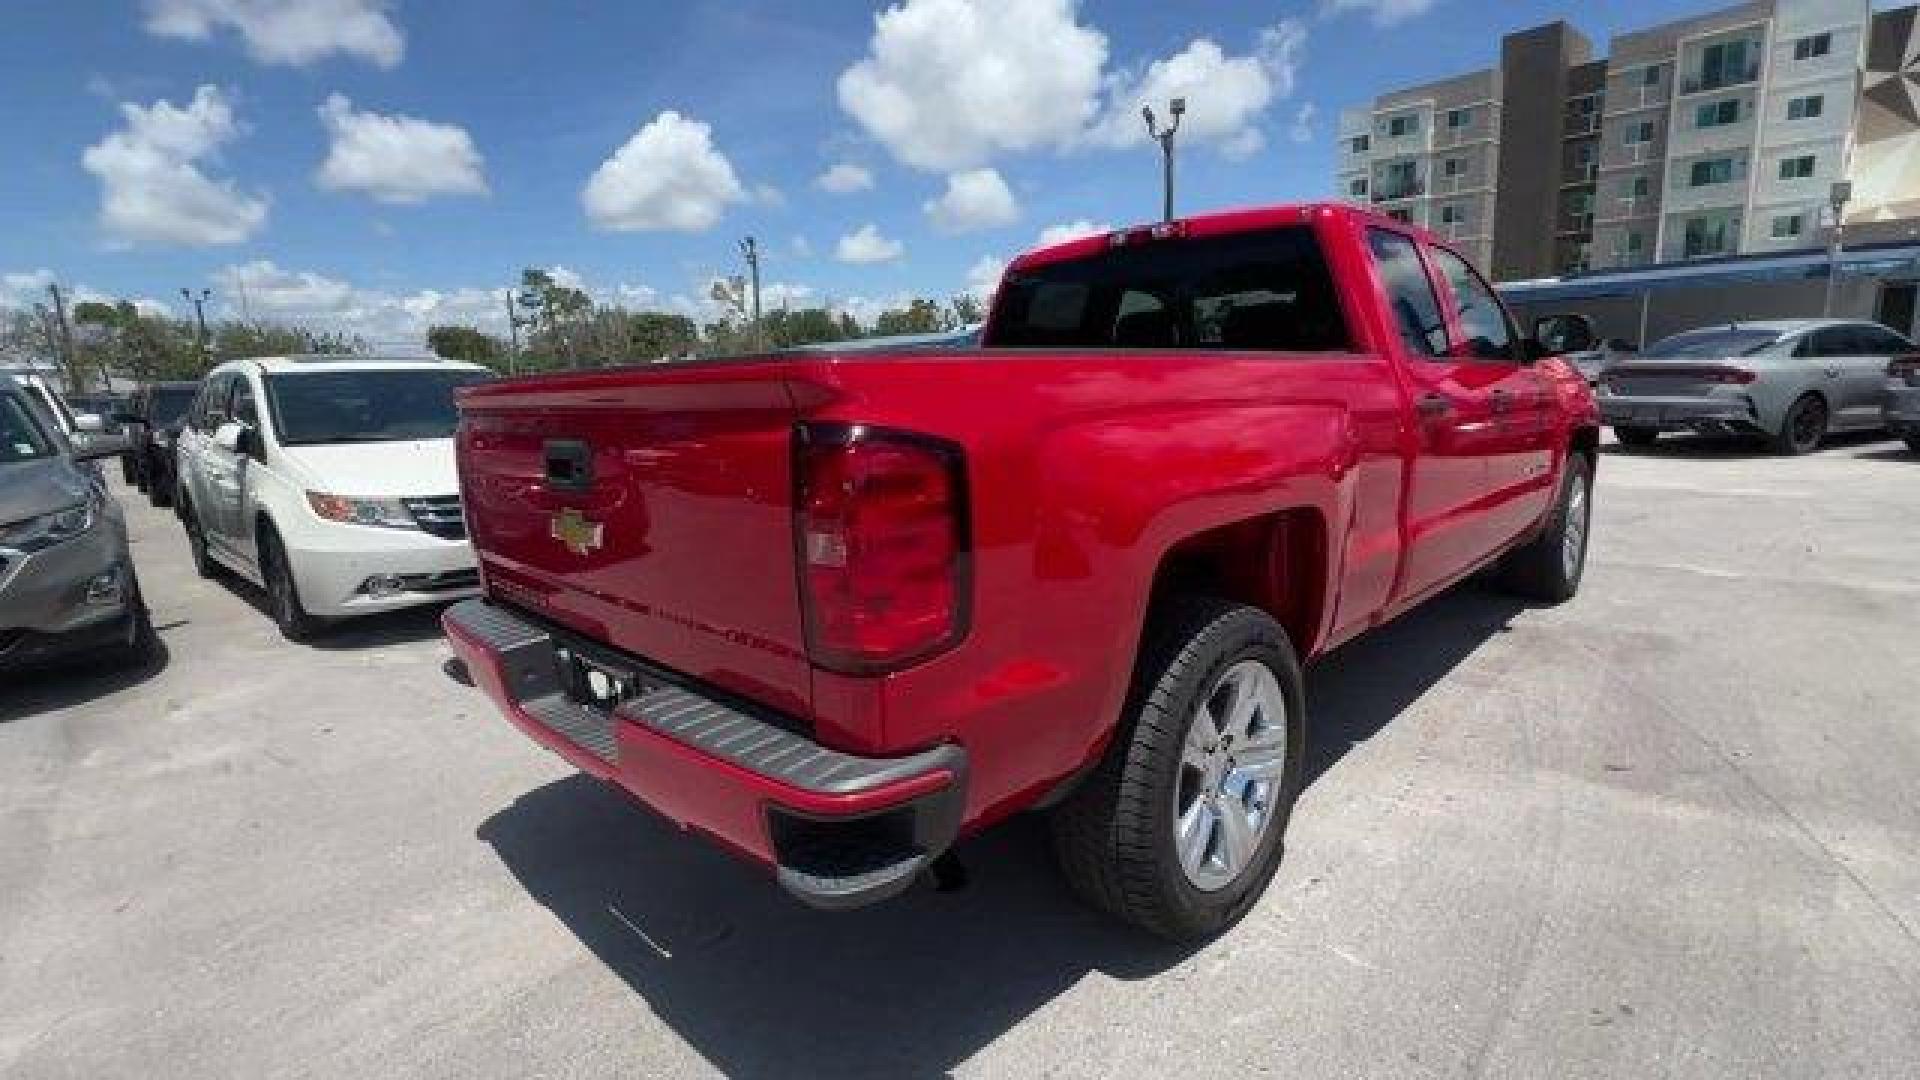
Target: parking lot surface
1670, 829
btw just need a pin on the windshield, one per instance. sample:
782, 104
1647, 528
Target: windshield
21, 439
1725, 342
314, 407
169, 404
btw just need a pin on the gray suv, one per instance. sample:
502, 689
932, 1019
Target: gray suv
66, 577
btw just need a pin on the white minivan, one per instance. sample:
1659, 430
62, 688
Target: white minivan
328, 481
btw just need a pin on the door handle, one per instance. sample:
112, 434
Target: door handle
1432, 405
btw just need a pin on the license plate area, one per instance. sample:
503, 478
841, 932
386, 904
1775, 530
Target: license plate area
596, 683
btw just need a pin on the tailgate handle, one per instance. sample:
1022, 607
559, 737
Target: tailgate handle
569, 464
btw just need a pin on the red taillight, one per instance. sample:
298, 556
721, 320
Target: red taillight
881, 538
1906, 368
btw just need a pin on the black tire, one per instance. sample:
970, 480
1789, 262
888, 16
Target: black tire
1804, 428
1549, 567
1913, 443
203, 563
126, 469
283, 594
1636, 438
140, 643
1114, 836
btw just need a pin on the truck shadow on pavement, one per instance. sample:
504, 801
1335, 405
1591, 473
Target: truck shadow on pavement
760, 986
1734, 449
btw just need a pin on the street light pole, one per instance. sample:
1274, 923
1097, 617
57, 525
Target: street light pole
1178, 107
752, 252
513, 336
200, 319
1838, 197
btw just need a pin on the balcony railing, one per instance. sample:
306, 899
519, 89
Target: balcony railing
1719, 80
1577, 175
1391, 192
1581, 123
1576, 223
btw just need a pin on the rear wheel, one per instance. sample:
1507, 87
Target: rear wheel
1804, 428
1550, 567
1913, 443
1636, 438
1179, 828
283, 595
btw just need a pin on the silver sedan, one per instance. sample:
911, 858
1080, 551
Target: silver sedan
1790, 381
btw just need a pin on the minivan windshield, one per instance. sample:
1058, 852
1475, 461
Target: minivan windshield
310, 408
21, 439
1726, 341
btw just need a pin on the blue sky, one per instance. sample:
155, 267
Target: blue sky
373, 166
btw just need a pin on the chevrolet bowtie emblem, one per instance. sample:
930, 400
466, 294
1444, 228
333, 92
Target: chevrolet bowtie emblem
575, 532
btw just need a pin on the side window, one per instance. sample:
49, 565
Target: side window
213, 402
1409, 293
1827, 341
243, 408
1483, 322
1880, 341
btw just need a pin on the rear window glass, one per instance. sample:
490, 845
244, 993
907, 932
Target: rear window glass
1266, 291
1714, 343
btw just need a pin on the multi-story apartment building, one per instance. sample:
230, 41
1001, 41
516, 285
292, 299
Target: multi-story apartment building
1722, 134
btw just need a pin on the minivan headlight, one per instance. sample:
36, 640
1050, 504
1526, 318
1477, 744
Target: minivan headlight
378, 513
36, 533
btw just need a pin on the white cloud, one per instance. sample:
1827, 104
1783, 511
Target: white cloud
946, 84
984, 276
296, 32
769, 196
1381, 12
1072, 230
387, 320
668, 176
1227, 95
151, 183
800, 247
1302, 129
396, 159
975, 199
866, 245
23, 289
844, 179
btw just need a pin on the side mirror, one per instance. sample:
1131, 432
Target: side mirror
1559, 334
89, 423
92, 447
235, 437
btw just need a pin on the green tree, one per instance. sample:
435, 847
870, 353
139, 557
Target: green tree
558, 312
920, 316
236, 338
967, 310
468, 344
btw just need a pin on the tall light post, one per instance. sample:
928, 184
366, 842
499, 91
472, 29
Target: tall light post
751, 252
199, 318
1837, 196
1178, 107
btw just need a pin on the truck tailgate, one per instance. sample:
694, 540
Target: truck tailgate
650, 509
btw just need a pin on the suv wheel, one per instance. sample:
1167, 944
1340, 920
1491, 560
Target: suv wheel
1913, 443
283, 595
1804, 428
1549, 567
1178, 829
203, 563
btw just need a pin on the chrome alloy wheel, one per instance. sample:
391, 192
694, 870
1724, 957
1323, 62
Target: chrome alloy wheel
1231, 765
1573, 537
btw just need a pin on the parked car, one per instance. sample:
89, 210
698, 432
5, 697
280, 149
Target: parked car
329, 482
67, 581
1902, 408
38, 383
152, 422
836, 610
1790, 381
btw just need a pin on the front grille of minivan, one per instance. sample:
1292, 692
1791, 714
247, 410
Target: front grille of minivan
441, 516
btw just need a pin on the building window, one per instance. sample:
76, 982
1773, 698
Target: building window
1636, 243
1401, 214
1583, 155
1458, 118
1806, 108
1709, 235
1723, 64
1639, 132
1402, 125
1650, 75
1815, 45
1717, 113
1357, 188
1453, 215
1711, 171
1796, 168
1787, 226
1359, 144
1635, 187
1451, 167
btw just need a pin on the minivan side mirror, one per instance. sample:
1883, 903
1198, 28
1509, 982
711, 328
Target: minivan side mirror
237, 438
1554, 335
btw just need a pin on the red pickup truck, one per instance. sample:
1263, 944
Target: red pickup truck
835, 611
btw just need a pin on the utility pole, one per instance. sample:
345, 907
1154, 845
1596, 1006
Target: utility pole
200, 320
752, 252
1838, 197
1178, 107
66, 340
513, 337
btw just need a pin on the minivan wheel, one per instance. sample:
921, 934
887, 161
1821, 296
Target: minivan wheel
1913, 443
203, 563
1804, 429
283, 595
1179, 828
